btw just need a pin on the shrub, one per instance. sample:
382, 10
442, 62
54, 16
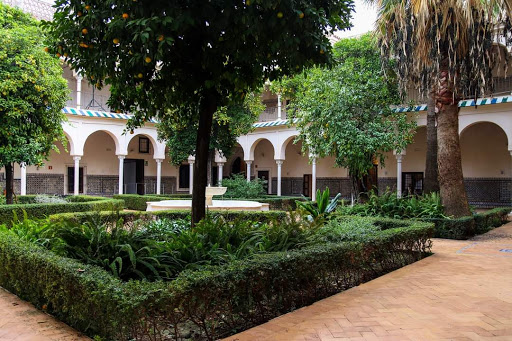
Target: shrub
212, 302
320, 209
49, 199
239, 187
389, 205
8, 212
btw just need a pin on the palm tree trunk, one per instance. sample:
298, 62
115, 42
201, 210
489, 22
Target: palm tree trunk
451, 180
431, 183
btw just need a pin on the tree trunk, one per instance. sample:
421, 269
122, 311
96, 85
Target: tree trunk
451, 180
9, 183
208, 108
431, 169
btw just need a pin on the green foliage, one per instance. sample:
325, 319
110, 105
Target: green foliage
320, 209
36, 211
215, 301
228, 123
239, 187
49, 199
33, 91
389, 205
345, 111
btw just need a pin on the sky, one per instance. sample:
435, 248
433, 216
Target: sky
363, 20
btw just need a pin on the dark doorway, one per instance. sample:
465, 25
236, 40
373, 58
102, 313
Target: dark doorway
184, 177
264, 175
412, 183
236, 167
307, 185
133, 176
71, 180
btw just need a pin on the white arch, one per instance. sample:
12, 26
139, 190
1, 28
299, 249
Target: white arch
119, 149
158, 151
284, 145
502, 121
254, 144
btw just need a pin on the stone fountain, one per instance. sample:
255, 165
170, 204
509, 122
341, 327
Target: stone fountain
214, 205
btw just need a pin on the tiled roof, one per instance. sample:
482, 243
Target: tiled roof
462, 104
41, 10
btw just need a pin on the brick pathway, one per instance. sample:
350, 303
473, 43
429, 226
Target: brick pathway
20, 321
462, 292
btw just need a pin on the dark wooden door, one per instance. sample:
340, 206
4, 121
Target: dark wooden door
307, 185
264, 175
139, 176
71, 180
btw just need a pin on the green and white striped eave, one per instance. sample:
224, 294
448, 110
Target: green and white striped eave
101, 114
273, 123
462, 104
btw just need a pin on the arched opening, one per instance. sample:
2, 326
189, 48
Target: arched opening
486, 164
296, 173
140, 168
265, 167
414, 162
100, 165
235, 164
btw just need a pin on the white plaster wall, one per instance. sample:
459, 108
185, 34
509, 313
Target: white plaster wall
326, 168
416, 153
295, 164
484, 152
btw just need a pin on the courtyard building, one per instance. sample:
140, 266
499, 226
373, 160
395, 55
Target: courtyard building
102, 158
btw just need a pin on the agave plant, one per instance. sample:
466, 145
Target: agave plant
320, 209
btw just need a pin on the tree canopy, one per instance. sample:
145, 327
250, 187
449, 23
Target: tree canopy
33, 93
181, 61
345, 111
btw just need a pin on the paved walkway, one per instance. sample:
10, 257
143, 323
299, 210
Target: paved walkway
20, 321
462, 292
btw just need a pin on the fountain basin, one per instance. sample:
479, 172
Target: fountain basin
217, 205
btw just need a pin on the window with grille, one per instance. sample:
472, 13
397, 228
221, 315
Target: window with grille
412, 183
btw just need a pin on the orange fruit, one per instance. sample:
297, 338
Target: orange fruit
280, 15
301, 15
161, 37
79, 13
126, 15
140, 75
248, 2
58, 55
84, 31
147, 60
322, 52
87, 7
46, 49
115, 41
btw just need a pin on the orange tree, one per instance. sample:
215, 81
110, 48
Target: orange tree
175, 59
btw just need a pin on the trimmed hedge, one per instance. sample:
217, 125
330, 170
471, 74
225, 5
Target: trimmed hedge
210, 303
138, 202
129, 217
467, 227
75, 204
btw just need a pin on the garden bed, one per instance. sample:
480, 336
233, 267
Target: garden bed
212, 301
41, 210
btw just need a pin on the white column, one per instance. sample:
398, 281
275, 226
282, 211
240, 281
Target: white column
279, 167
121, 173
191, 176
313, 180
158, 175
279, 113
249, 163
78, 91
220, 171
76, 170
23, 166
399, 175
